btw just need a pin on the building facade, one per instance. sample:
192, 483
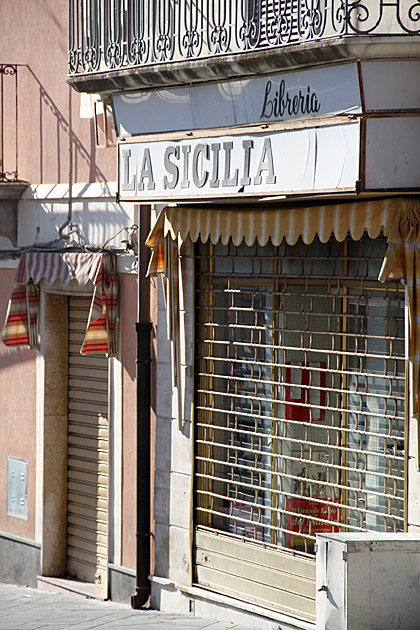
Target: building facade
271, 147
275, 143
67, 468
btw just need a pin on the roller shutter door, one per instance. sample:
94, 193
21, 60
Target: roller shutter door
299, 415
87, 476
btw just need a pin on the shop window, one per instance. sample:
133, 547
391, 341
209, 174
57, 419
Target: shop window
300, 392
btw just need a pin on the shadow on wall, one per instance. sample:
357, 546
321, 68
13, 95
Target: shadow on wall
14, 356
86, 154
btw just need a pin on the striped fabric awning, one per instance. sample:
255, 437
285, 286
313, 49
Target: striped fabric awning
216, 224
398, 218
21, 327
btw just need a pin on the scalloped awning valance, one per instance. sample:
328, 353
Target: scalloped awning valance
397, 218
215, 224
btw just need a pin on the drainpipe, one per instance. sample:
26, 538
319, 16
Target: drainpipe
70, 204
143, 328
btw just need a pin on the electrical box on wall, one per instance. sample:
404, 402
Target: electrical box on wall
367, 580
17, 488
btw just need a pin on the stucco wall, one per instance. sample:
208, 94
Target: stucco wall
35, 35
17, 418
43, 209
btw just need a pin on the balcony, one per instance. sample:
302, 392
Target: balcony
127, 44
11, 187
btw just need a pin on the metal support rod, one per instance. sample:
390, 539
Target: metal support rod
143, 328
70, 202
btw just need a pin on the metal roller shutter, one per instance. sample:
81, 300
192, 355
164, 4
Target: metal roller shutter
300, 411
87, 480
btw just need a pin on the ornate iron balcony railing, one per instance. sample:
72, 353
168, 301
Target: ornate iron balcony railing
8, 122
115, 34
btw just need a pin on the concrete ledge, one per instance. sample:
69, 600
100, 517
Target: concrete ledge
218, 68
168, 596
20, 560
122, 583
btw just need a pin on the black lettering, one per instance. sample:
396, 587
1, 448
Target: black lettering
315, 104
281, 97
302, 103
289, 104
267, 110
308, 100
293, 102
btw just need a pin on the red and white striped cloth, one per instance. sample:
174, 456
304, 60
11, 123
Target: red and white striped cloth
21, 327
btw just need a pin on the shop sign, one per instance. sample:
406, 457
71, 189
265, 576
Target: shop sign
262, 99
304, 160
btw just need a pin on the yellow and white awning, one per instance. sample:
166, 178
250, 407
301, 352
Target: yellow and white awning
216, 224
397, 218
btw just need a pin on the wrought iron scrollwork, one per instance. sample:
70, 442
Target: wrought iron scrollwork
311, 18
279, 26
9, 115
137, 32
339, 17
8, 176
249, 31
190, 30
163, 26
90, 35
190, 41
114, 29
8, 69
123, 33
219, 19
413, 15
359, 17
218, 39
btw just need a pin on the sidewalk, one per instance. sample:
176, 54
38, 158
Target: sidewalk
23, 608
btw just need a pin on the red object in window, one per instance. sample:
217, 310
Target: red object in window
314, 397
304, 506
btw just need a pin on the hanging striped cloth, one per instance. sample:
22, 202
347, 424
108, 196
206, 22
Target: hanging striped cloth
21, 327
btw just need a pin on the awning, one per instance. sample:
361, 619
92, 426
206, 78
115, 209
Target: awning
247, 226
397, 218
21, 327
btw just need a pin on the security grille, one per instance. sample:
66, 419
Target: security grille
300, 393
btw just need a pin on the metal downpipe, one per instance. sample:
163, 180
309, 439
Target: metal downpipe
143, 329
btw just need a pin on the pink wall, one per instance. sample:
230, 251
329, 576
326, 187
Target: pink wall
128, 358
17, 418
35, 34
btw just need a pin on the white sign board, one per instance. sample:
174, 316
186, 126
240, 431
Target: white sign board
399, 168
304, 160
261, 99
391, 84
